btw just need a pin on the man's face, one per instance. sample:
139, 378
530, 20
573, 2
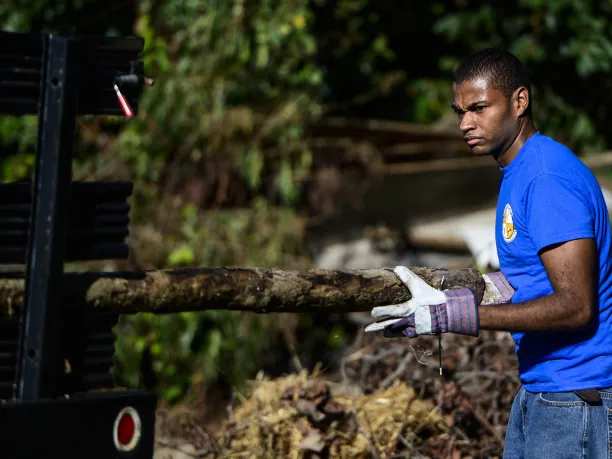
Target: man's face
486, 117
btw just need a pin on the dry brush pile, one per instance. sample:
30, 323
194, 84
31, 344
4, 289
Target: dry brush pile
387, 401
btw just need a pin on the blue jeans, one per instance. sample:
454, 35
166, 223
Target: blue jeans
551, 425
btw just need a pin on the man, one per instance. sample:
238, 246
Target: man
554, 291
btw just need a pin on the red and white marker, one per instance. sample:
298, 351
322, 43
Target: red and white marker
127, 429
124, 103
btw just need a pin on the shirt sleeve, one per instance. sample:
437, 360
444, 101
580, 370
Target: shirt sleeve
556, 211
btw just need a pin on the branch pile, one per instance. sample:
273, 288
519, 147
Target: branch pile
388, 400
473, 397
305, 416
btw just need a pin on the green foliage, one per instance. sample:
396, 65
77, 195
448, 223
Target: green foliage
218, 152
112, 17
190, 350
17, 136
565, 45
236, 84
258, 236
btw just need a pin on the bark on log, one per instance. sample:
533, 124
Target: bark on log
248, 289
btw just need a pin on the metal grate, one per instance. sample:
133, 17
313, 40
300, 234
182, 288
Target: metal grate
102, 59
97, 227
9, 345
88, 347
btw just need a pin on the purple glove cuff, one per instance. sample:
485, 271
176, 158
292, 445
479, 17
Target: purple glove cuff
462, 312
502, 284
439, 318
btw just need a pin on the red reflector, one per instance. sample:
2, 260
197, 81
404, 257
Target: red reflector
126, 429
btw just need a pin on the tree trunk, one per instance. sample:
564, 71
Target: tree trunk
248, 289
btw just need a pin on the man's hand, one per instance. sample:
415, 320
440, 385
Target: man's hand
429, 312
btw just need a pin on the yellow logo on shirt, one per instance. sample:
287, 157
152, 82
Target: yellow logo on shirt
508, 229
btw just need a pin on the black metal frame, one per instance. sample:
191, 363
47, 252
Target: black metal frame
39, 357
59, 78
75, 428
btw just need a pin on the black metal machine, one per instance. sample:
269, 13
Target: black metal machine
56, 390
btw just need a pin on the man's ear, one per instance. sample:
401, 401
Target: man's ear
521, 100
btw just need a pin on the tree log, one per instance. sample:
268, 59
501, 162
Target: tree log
247, 289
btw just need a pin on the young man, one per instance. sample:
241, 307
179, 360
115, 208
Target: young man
554, 291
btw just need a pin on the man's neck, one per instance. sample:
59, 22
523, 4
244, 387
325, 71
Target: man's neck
525, 132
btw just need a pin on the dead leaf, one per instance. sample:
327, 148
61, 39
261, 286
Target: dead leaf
313, 442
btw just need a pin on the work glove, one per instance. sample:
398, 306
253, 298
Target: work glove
431, 311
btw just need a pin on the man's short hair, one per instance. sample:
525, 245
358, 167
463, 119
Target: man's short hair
501, 69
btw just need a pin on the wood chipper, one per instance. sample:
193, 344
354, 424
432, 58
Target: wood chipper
57, 394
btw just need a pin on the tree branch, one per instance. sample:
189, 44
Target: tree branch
248, 289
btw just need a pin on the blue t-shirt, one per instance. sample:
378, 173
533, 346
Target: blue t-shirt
547, 196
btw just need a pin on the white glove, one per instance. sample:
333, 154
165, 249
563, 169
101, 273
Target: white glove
429, 312
423, 296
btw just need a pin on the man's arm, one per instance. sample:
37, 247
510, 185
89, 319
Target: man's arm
571, 268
